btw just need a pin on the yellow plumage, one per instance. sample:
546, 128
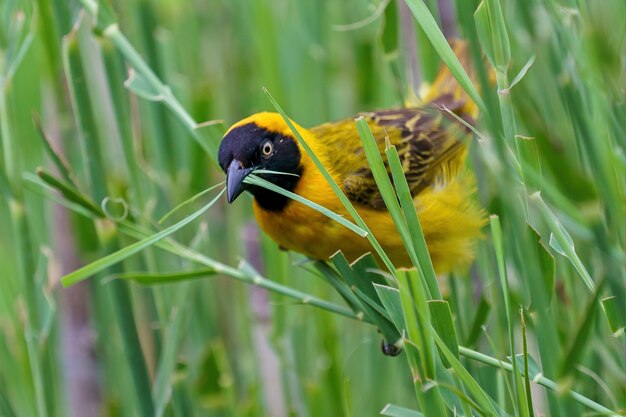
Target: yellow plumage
450, 220
432, 145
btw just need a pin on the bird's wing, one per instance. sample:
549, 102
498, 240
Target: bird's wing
430, 141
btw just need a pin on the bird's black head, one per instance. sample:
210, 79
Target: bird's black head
248, 148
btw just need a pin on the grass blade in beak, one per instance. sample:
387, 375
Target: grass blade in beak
234, 180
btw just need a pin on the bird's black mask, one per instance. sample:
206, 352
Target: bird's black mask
248, 148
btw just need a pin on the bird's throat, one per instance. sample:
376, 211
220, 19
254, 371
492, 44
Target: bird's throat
270, 200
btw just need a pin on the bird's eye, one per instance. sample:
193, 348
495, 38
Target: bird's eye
266, 149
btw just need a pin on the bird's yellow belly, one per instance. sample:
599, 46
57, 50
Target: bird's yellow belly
450, 221
309, 232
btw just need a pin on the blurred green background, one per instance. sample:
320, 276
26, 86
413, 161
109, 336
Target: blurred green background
217, 346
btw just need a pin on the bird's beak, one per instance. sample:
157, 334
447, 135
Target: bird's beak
234, 179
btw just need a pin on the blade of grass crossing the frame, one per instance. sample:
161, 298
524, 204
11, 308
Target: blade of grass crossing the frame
331, 276
415, 356
358, 283
499, 36
146, 278
414, 291
340, 194
529, 365
503, 385
139, 232
390, 297
439, 42
366, 295
610, 309
421, 354
529, 398
139, 85
378, 315
494, 38
565, 241
466, 403
258, 181
496, 232
479, 135
111, 259
359, 273
522, 73
412, 220
483, 32
539, 379
69, 192
36, 185
381, 176
84, 114
470, 383
58, 161
443, 324
189, 201
417, 317
269, 171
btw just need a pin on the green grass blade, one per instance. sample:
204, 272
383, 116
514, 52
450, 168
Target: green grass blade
390, 297
470, 383
91, 153
526, 368
366, 294
610, 310
538, 378
69, 192
413, 222
522, 72
116, 257
334, 279
438, 40
496, 232
58, 160
189, 201
383, 182
499, 35
566, 244
443, 324
260, 182
147, 278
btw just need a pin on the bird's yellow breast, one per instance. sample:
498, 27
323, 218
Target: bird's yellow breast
449, 219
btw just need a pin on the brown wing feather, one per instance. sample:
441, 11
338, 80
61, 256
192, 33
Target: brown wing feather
429, 141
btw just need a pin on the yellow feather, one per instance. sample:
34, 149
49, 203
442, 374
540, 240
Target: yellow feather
433, 151
451, 221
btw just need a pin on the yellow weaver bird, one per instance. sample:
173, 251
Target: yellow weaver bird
432, 145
